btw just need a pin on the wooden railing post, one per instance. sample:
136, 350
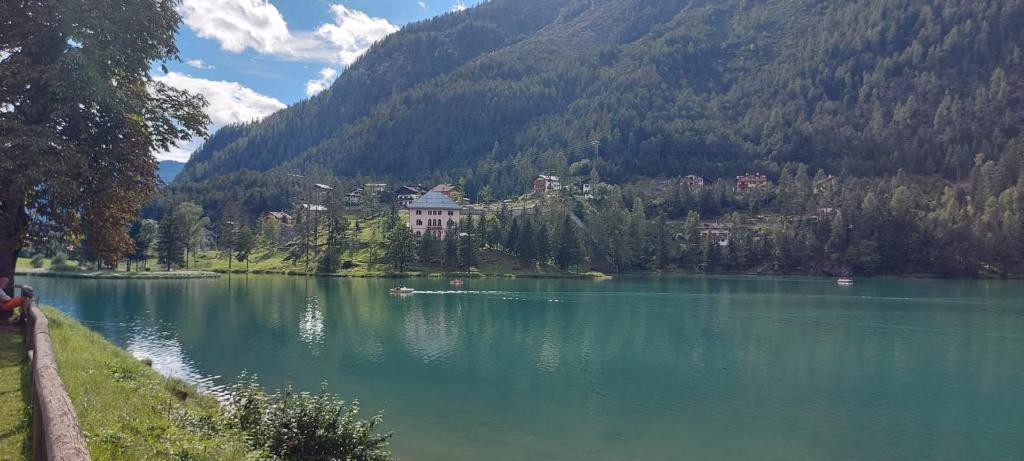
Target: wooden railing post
56, 433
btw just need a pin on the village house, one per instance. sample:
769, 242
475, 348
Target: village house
448, 190
691, 182
434, 212
278, 217
375, 188
825, 184
715, 232
825, 214
545, 183
407, 194
751, 181
355, 197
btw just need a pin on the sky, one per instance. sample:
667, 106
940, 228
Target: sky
250, 58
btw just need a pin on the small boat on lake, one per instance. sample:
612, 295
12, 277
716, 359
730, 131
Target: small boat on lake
456, 283
845, 281
402, 291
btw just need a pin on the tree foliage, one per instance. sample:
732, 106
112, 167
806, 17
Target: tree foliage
664, 87
80, 117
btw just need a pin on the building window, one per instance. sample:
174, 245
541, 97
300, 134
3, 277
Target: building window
419, 234
451, 223
419, 212
419, 222
451, 213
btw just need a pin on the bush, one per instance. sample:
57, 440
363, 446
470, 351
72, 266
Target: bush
60, 263
304, 426
38, 261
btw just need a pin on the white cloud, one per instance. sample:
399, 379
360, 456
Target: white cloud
315, 86
198, 64
459, 6
230, 102
353, 32
257, 24
422, 5
236, 24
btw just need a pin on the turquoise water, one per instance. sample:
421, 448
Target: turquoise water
645, 368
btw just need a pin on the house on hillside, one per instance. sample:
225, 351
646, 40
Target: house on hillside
448, 190
407, 194
375, 188
546, 183
825, 214
825, 184
278, 217
692, 182
751, 181
715, 232
434, 212
355, 197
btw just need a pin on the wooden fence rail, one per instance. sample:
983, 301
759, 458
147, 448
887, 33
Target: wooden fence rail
56, 434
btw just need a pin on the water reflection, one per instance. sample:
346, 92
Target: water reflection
311, 325
165, 353
713, 368
431, 335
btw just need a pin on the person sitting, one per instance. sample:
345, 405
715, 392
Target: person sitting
13, 307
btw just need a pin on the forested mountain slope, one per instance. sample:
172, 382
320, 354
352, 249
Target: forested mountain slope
498, 92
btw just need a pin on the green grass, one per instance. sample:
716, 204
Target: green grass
15, 413
128, 410
26, 263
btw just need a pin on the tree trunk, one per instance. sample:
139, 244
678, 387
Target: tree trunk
13, 228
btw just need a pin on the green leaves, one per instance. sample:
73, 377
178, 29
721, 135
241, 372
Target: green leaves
292, 425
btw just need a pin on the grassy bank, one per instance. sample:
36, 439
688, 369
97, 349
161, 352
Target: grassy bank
83, 274
128, 410
15, 413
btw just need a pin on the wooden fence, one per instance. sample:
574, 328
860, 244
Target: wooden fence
56, 434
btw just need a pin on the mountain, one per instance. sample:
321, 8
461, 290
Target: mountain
167, 170
649, 88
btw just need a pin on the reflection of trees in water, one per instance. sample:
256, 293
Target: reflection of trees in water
431, 334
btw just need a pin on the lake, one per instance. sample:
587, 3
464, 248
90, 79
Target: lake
631, 368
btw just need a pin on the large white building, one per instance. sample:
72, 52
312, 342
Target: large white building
434, 212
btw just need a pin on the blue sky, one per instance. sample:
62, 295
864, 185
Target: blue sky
253, 57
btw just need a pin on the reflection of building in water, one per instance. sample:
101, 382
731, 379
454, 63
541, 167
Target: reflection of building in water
311, 325
430, 336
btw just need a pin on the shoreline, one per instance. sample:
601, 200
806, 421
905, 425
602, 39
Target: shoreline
596, 276
73, 274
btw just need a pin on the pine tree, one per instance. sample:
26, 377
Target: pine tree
512, 237
526, 244
171, 240
451, 249
245, 243
400, 246
468, 246
662, 242
543, 243
712, 256
427, 252
569, 251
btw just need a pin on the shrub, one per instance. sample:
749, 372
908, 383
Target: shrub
38, 261
304, 426
60, 263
